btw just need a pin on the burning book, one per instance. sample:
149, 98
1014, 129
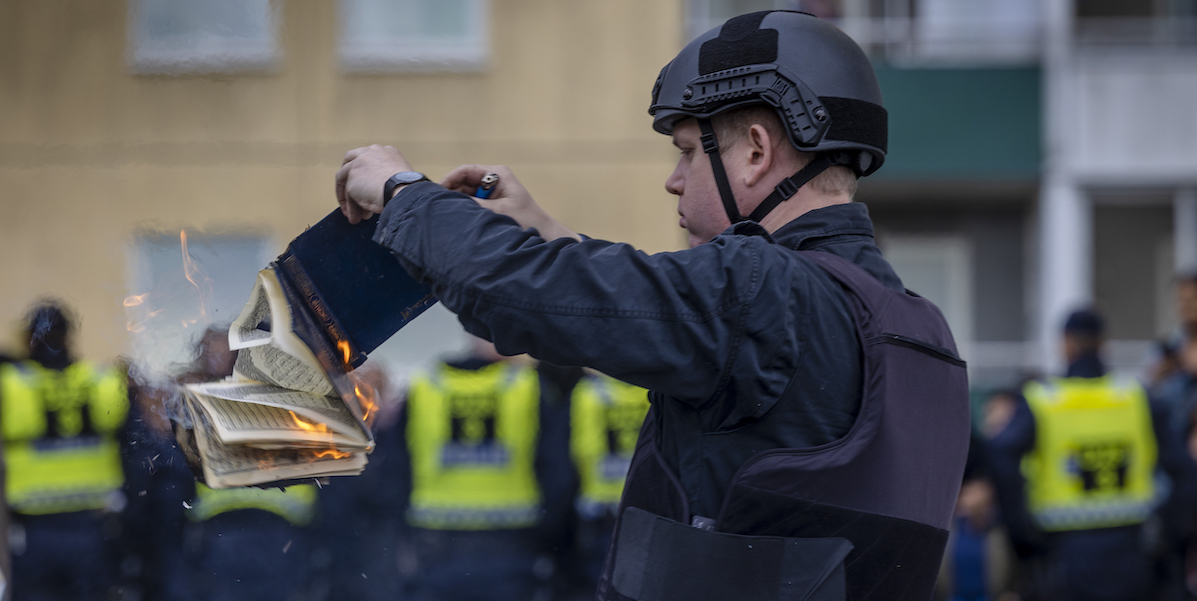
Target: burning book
293, 408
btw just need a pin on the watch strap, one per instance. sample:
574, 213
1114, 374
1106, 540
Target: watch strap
400, 179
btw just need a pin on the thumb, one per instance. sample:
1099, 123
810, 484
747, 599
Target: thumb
464, 179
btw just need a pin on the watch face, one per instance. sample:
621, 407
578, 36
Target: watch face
407, 177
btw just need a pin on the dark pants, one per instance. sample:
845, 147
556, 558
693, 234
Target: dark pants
1108, 564
251, 554
66, 556
492, 565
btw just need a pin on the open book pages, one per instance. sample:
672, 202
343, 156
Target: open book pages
252, 433
269, 351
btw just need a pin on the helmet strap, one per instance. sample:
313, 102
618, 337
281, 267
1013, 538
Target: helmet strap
790, 185
710, 145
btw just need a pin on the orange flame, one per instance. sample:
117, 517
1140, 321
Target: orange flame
194, 274
335, 454
369, 405
309, 426
318, 429
343, 346
138, 327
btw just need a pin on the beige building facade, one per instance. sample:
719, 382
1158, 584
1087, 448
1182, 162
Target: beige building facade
100, 153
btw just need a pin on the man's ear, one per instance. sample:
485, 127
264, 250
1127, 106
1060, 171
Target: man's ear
759, 154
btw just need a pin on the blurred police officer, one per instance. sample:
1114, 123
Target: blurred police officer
809, 419
251, 544
359, 530
1075, 473
472, 430
605, 420
60, 419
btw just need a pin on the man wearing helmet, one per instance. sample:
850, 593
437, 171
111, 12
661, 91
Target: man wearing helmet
809, 417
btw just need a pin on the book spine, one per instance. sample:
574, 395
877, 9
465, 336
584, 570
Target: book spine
313, 302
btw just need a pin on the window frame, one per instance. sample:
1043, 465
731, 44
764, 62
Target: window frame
419, 55
209, 54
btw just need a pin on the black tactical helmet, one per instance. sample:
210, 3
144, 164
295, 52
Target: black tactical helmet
817, 79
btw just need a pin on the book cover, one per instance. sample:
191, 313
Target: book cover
354, 290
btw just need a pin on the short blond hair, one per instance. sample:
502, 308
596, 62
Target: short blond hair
731, 127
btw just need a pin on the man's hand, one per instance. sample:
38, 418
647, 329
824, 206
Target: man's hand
508, 198
361, 177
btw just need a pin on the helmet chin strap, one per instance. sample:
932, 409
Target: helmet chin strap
710, 145
782, 192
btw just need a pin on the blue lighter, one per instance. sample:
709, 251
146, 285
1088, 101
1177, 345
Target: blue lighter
489, 181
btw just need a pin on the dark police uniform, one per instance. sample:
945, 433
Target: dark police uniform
472, 433
64, 476
746, 345
255, 543
1088, 534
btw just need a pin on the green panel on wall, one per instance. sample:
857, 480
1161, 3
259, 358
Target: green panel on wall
962, 124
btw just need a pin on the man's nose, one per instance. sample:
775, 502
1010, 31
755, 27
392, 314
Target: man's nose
674, 185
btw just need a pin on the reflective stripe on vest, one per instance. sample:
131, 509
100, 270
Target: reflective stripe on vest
605, 419
1094, 456
472, 436
296, 503
59, 437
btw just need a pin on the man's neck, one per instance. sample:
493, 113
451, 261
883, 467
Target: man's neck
801, 203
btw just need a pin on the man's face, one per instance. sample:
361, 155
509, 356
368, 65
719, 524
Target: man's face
693, 183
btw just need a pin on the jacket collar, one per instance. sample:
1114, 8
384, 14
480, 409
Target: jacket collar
844, 230
826, 225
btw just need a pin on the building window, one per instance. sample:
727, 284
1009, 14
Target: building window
938, 268
414, 35
905, 31
176, 36
180, 283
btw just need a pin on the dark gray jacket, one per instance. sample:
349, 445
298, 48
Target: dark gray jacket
718, 333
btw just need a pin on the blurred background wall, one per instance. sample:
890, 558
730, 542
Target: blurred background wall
1043, 154
125, 123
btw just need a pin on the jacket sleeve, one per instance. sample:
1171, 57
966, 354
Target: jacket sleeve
667, 321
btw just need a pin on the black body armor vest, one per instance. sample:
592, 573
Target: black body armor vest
862, 518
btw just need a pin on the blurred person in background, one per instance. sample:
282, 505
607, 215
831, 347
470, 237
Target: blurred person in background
473, 433
359, 530
158, 483
1075, 474
5, 557
61, 420
979, 564
252, 544
558, 483
1188, 549
605, 419
1175, 373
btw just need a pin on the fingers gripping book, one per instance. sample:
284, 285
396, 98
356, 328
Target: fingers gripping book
293, 408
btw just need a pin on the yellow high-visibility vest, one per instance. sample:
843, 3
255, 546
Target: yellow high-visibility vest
605, 419
472, 439
59, 432
295, 503
1094, 456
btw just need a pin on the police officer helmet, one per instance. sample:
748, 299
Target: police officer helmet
48, 326
815, 77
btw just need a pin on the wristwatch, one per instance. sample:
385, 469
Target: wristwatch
400, 179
